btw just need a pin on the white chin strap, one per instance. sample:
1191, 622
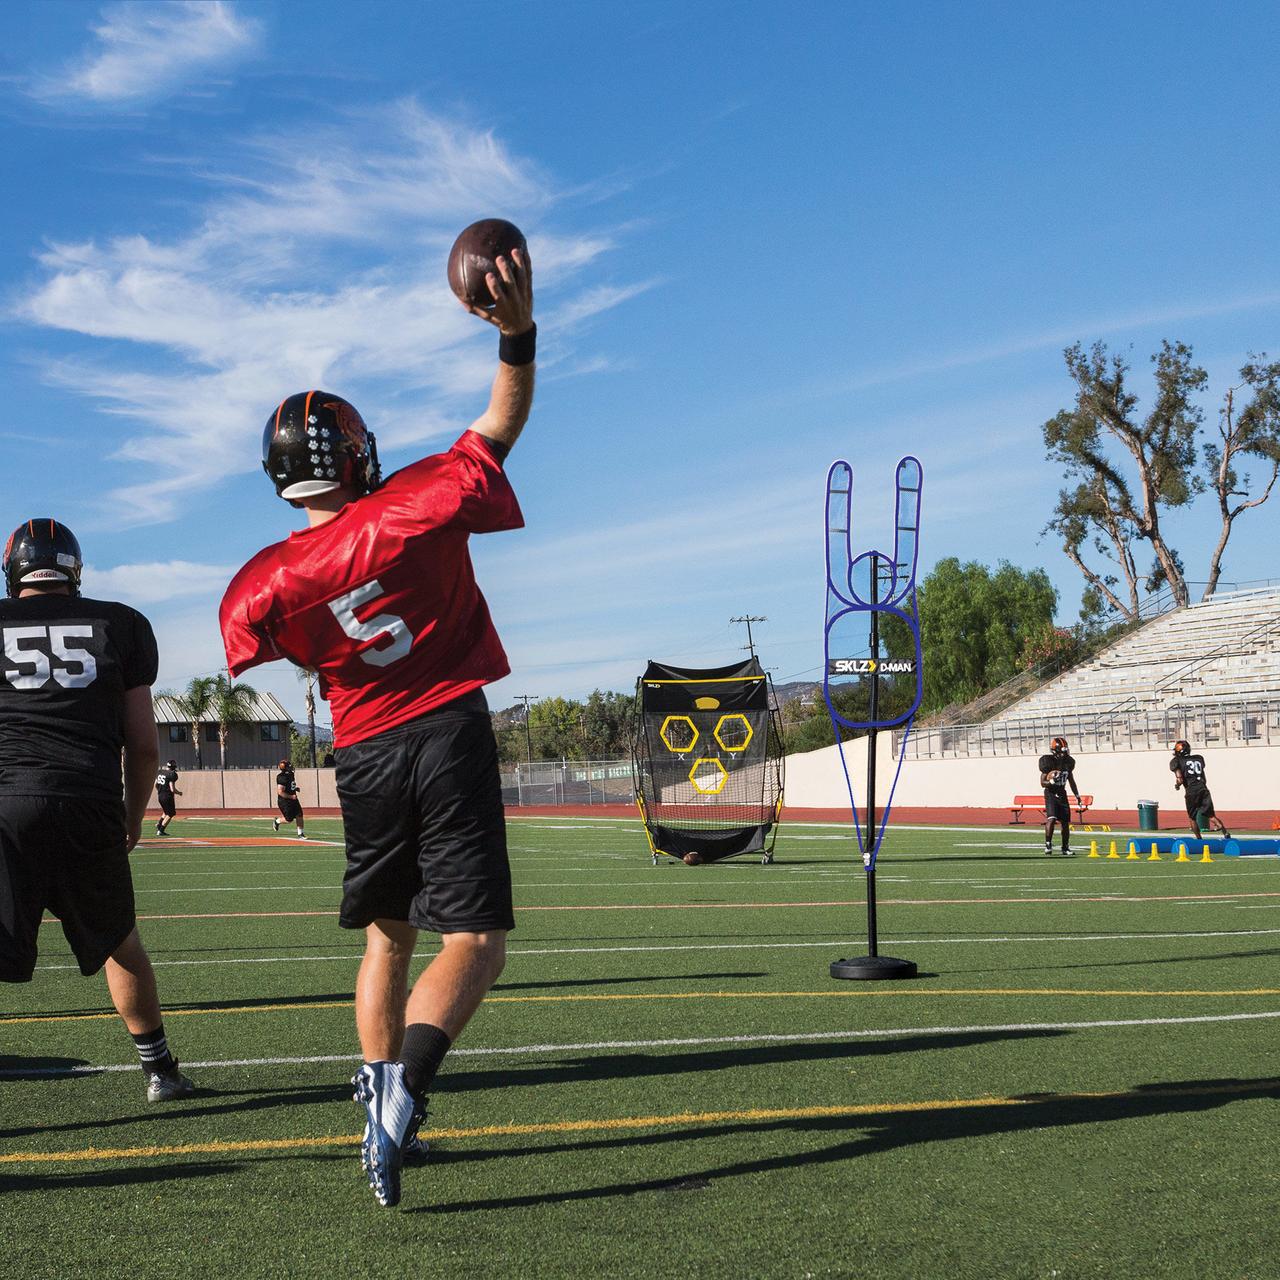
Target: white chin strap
309, 488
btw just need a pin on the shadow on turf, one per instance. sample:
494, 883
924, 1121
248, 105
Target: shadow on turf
1203, 958
631, 1066
870, 1135
210, 1102
134, 1175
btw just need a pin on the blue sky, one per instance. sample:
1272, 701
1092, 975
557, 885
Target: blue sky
764, 237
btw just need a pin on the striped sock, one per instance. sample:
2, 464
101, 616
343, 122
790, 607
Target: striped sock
153, 1051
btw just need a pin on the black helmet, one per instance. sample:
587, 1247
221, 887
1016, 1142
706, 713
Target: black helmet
40, 551
1058, 746
1181, 748
316, 442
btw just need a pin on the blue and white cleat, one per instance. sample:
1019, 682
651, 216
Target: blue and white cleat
390, 1108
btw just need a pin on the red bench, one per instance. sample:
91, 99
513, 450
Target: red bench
1037, 802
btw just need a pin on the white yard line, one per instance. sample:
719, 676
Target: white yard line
614, 1046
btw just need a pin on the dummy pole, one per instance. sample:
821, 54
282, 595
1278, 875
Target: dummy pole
873, 964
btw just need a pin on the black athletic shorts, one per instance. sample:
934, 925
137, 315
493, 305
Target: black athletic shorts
68, 856
1056, 806
1200, 804
289, 807
422, 811
167, 806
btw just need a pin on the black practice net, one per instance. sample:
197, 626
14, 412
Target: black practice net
708, 760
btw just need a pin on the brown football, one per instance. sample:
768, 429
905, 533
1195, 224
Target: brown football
473, 254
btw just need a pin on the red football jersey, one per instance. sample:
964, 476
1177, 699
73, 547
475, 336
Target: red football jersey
382, 600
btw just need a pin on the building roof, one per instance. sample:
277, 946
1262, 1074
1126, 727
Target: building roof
266, 709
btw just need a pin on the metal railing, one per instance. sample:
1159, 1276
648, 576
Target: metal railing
1242, 724
567, 782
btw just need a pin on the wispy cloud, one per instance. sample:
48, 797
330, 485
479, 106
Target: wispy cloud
317, 261
156, 581
143, 51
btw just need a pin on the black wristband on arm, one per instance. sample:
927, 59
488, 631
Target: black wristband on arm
518, 348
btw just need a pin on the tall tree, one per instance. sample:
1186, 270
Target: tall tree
1247, 435
194, 703
308, 677
232, 703
1129, 470
975, 626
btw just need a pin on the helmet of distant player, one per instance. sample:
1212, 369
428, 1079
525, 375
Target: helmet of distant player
286, 766
316, 442
1058, 746
40, 552
170, 764
1181, 748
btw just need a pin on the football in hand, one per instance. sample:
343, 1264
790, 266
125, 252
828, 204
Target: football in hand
474, 253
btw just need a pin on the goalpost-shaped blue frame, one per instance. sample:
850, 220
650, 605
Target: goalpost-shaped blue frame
890, 589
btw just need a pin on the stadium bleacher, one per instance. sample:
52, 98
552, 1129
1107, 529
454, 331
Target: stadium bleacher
1209, 671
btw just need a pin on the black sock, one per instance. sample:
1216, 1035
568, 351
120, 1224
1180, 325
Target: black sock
153, 1051
423, 1052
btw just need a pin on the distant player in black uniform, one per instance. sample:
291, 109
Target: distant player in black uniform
1057, 772
75, 691
166, 789
1189, 776
287, 800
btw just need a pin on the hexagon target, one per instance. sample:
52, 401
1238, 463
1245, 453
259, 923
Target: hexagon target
718, 775
733, 732
679, 734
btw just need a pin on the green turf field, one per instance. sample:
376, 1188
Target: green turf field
1084, 1081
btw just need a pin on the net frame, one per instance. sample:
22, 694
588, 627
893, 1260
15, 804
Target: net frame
685, 756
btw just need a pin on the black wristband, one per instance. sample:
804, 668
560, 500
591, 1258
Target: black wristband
518, 348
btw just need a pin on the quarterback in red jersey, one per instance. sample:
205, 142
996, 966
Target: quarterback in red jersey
379, 597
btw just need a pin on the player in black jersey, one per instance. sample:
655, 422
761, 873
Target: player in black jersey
75, 692
287, 800
1189, 777
166, 789
1057, 771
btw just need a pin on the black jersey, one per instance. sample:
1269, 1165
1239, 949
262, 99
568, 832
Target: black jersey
1058, 771
287, 780
1192, 770
65, 664
166, 780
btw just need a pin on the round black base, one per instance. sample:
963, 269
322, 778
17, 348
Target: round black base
868, 968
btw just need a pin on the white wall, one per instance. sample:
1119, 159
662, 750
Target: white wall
1240, 778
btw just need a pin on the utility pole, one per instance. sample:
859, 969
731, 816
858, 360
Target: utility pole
749, 618
527, 698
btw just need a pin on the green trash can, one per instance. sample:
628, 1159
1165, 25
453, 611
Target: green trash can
1148, 815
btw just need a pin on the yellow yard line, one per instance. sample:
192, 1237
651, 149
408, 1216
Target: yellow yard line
755, 1115
596, 997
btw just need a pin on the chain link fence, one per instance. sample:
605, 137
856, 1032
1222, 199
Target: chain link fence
567, 782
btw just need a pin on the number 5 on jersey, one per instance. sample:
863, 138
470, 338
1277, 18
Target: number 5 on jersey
385, 624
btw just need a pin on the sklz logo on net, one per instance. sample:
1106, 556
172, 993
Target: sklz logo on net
869, 667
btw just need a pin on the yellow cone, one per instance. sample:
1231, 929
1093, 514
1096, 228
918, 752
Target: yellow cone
1155, 853
1204, 857
1093, 849
1133, 851
1182, 853
1115, 853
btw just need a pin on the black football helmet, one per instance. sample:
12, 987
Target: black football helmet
1181, 748
316, 442
41, 551
1058, 746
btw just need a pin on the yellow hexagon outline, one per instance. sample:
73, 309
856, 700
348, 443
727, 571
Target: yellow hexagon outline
678, 751
704, 791
724, 746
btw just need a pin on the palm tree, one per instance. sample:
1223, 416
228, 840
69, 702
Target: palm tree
195, 702
231, 704
309, 676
